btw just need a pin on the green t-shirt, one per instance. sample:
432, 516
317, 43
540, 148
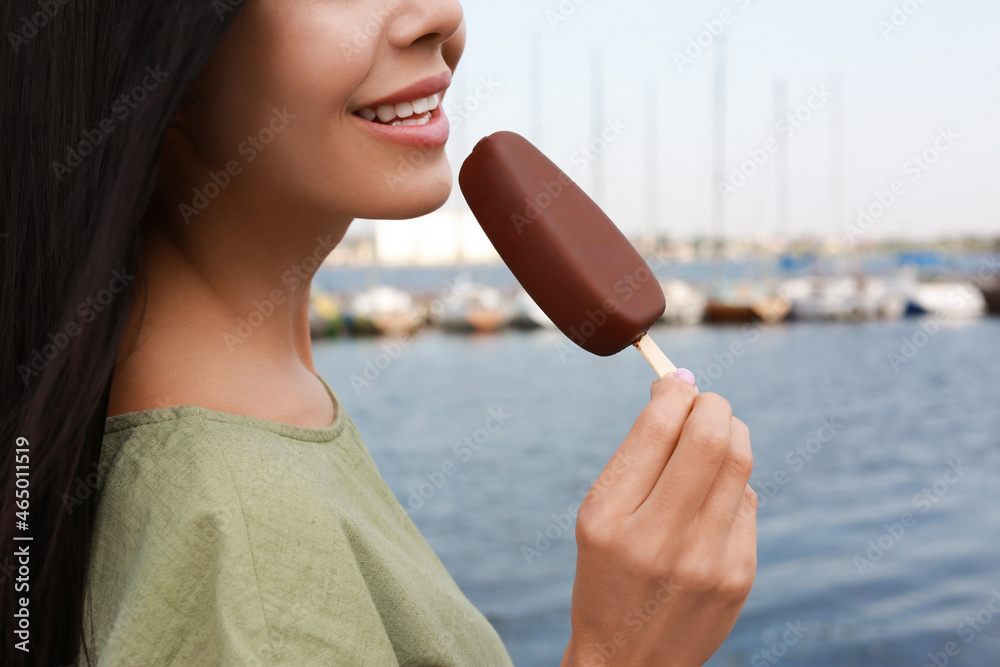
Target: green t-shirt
223, 539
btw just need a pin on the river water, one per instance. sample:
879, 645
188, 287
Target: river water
877, 453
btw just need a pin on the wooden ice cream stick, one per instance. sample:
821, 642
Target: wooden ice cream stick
655, 356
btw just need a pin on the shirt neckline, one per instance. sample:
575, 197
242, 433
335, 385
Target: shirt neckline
130, 420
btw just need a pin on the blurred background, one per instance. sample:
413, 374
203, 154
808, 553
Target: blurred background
815, 187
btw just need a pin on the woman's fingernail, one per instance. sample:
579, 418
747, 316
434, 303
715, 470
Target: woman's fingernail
687, 376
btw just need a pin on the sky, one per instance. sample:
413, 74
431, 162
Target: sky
899, 79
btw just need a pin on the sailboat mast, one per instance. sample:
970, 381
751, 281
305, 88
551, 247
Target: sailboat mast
535, 107
652, 160
719, 149
782, 167
838, 160
597, 121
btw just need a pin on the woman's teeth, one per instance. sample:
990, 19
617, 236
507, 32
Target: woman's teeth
402, 114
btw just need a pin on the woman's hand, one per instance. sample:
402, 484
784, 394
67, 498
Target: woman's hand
667, 537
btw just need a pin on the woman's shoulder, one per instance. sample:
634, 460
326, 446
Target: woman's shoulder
194, 430
167, 471
142, 392
196, 441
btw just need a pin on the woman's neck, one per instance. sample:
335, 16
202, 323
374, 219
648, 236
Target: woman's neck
226, 327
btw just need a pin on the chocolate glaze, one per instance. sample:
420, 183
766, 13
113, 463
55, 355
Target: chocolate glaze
566, 253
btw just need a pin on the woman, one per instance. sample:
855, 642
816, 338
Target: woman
197, 494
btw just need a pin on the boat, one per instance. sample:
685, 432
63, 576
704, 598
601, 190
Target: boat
952, 300
843, 298
386, 311
747, 302
991, 292
476, 308
931, 288
770, 311
880, 298
822, 298
528, 315
685, 303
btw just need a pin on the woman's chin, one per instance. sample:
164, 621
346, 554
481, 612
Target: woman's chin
411, 203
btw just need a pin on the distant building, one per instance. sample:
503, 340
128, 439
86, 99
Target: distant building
443, 238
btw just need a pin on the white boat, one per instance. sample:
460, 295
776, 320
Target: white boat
385, 310
476, 308
953, 300
881, 298
815, 298
842, 298
528, 314
685, 303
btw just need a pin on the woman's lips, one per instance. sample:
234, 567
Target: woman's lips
433, 134
434, 85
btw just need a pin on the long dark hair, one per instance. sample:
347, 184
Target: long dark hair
87, 90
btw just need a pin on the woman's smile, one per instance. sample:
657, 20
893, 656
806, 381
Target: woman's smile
411, 116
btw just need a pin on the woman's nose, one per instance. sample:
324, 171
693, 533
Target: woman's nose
429, 21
